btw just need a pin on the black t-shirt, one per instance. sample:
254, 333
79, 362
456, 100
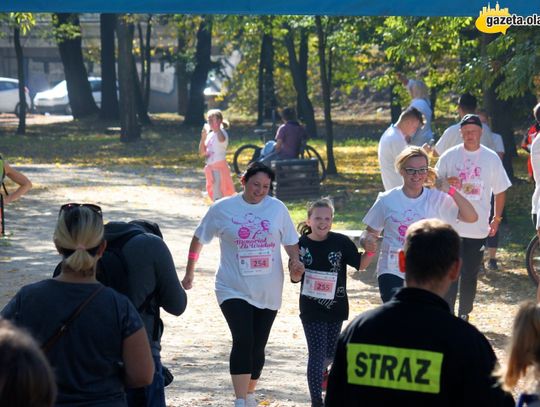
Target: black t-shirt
321, 257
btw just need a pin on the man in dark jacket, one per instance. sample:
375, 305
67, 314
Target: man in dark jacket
412, 351
152, 283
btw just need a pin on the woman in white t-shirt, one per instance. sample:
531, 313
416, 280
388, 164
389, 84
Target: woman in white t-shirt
396, 209
213, 146
251, 227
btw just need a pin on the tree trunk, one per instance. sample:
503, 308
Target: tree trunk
501, 115
142, 111
21, 128
395, 106
145, 60
130, 129
148, 60
260, 82
109, 97
270, 100
433, 100
501, 121
196, 106
182, 76
303, 58
142, 60
326, 83
299, 84
79, 91
267, 102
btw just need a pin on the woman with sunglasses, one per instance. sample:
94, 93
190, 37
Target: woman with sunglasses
396, 209
103, 346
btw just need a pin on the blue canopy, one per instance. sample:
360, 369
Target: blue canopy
265, 7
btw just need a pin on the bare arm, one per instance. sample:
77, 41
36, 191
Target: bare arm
296, 267
368, 241
498, 207
194, 249
466, 211
279, 144
202, 146
20, 179
138, 362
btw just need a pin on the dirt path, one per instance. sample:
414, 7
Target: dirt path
196, 345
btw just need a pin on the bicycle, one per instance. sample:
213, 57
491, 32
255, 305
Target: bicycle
532, 260
248, 153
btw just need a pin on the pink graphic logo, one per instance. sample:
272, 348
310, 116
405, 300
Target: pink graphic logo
243, 233
252, 226
407, 218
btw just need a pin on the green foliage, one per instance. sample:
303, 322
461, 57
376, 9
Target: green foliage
25, 21
66, 31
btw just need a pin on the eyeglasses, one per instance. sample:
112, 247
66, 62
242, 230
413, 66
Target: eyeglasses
413, 171
70, 206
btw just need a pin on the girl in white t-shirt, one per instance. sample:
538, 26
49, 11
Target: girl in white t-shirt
213, 146
396, 209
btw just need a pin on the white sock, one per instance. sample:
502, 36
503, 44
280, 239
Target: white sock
240, 403
250, 400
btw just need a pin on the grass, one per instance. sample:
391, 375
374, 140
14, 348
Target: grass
169, 144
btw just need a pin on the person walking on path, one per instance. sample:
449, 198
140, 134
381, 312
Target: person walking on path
213, 146
93, 336
251, 227
476, 172
393, 141
323, 295
419, 93
412, 351
395, 210
452, 136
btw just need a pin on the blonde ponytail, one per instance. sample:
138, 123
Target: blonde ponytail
77, 236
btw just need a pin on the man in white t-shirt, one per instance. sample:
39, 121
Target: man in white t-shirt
393, 141
452, 135
477, 172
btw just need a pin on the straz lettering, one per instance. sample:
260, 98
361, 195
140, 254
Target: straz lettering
394, 368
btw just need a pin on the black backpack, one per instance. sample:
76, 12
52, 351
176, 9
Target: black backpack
112, 269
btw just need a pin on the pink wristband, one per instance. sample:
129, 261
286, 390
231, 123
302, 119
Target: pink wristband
369, 254
451, 191
193, 256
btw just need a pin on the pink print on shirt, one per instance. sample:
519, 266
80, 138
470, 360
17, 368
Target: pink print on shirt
403, 221
468, 170
253, 232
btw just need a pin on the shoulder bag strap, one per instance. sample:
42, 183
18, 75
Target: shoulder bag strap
62, 330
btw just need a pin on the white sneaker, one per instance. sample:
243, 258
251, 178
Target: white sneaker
240, 403
251, 401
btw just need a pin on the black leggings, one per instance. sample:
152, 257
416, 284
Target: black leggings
250, 327
472, 253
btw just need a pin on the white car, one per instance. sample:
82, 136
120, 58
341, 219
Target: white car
56, 100
9, 96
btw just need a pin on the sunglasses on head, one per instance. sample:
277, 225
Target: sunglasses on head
70, 206
412, 171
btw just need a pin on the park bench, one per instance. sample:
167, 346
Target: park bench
296, 179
